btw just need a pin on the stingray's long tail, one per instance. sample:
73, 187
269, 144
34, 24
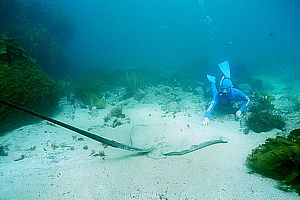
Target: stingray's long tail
98, 138
195, 147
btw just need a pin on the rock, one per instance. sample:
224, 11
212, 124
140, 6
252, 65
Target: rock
94, 112
18, 156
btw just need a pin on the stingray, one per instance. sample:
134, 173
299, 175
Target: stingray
113, 143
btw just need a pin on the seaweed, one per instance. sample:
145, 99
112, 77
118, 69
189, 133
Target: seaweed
263, 115
23, 82
91, 84
263, 121
116, 112
3, 151
134, 82
279, 158
263, 102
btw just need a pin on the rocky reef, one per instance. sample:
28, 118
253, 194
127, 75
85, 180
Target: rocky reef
22, 82
43, 31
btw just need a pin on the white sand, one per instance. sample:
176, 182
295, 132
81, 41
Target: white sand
57, 166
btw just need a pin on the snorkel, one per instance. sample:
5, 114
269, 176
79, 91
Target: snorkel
225, 82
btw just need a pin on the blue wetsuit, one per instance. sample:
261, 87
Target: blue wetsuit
233, 96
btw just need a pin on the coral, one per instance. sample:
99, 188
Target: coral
263, 116
279, 158
23, 82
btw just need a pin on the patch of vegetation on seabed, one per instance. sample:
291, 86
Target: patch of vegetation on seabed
279, 158
22, 82
263, 116
3, 151
91, 86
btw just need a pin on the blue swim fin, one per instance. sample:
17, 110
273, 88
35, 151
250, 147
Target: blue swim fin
211, 78
224, 66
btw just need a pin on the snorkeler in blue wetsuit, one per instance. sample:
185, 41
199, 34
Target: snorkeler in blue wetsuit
227, 94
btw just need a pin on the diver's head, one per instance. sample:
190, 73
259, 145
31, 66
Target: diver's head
225, 85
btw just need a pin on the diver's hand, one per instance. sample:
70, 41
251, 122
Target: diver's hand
238, 113
205, 121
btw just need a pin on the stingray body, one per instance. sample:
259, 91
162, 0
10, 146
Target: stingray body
113, 143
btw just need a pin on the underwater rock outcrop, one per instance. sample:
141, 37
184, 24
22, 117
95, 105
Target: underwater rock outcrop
116, 117
43, 31
279, 158
3, 151
24, 83
263, 116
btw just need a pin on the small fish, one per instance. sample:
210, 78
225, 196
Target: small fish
208, 19
272, 34
229, 43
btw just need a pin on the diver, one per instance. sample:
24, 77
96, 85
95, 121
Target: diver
226, 94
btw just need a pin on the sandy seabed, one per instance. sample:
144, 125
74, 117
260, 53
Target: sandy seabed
49, 162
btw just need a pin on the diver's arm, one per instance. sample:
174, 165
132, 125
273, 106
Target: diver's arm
209, 111
241, 95
245, 104
213, 102
211, 107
